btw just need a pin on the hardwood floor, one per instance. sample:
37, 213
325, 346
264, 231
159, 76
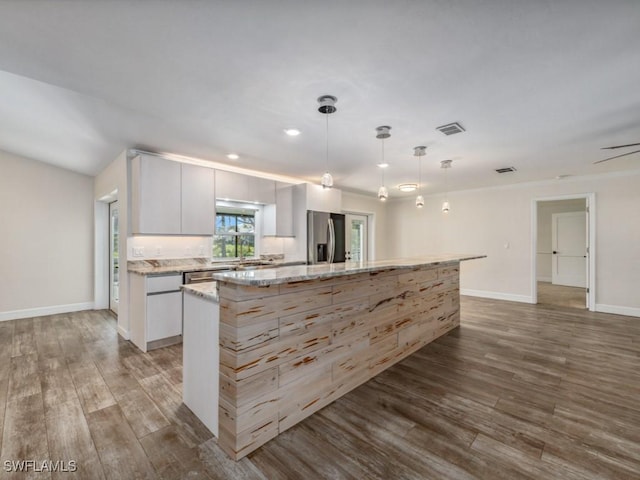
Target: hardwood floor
518, 391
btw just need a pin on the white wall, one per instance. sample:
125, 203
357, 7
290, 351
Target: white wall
545, 214
46, 246
487, 221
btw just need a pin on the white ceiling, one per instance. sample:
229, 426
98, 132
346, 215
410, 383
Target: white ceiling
539, 85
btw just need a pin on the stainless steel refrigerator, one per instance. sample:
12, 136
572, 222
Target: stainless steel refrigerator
325, 237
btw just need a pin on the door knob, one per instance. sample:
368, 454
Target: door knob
555, 253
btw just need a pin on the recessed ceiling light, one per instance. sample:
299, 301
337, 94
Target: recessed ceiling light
233, 156
408, 187
292, 132
383, 165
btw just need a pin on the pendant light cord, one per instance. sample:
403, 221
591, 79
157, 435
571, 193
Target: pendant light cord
327, 159
382, 162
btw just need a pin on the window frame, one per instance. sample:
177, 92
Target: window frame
235, 235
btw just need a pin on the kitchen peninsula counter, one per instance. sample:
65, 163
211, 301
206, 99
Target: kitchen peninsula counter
294, 339
297, 273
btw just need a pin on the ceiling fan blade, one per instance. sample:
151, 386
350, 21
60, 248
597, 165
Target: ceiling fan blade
617, 156
620, 146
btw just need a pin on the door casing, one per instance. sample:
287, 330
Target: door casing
590, 199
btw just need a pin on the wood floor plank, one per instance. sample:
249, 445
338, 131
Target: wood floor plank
69, 440
121, 454
169, 401
56, 382
46, 340
24, 341
22, 437
24, 376
138, 408
92, 389
171, 457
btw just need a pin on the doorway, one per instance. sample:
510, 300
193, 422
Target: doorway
114, 258
357, 237
563, 251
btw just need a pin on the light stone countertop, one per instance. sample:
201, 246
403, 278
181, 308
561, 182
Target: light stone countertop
275, 276
206, 290
175, 265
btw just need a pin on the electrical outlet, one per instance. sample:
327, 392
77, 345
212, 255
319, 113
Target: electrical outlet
201, 251
188, 252
158, 250
138, 251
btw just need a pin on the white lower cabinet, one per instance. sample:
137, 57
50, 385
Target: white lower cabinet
164, 315
155, 310
201, 359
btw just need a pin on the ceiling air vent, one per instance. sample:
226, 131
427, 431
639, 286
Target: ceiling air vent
451, 128
506, 169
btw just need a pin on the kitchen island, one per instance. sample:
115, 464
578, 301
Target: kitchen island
294, 339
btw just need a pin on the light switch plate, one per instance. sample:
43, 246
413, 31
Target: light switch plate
138, 251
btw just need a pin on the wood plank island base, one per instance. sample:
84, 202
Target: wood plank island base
294, 339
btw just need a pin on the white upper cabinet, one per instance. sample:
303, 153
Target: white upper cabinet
198, 200
321, 199
244, 188
171, 198
155, 195
278, 217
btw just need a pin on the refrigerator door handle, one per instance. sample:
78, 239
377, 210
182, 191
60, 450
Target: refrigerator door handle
332, 242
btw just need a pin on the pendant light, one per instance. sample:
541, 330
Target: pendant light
327, 107
419, 152
446, 164
382, 133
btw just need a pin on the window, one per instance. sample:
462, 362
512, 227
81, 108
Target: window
235, 235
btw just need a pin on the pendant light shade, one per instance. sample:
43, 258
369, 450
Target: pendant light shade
419, 152
382, 133
327, 180
327, 107
446, 164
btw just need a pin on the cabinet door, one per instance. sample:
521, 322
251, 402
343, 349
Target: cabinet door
244, 188
198, 200
231, 186
156, 192
262, 190
164, 315
284, 210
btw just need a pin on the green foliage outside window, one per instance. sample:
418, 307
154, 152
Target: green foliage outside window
235, 236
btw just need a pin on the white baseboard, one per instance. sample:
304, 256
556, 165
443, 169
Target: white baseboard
545, 279
618, 310
496, 295
41, 311
123, 333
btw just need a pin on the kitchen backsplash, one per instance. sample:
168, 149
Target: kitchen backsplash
146, 247
164, 247
282, 245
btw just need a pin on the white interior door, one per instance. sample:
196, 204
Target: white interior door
569, 244
356, 238
114, 266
